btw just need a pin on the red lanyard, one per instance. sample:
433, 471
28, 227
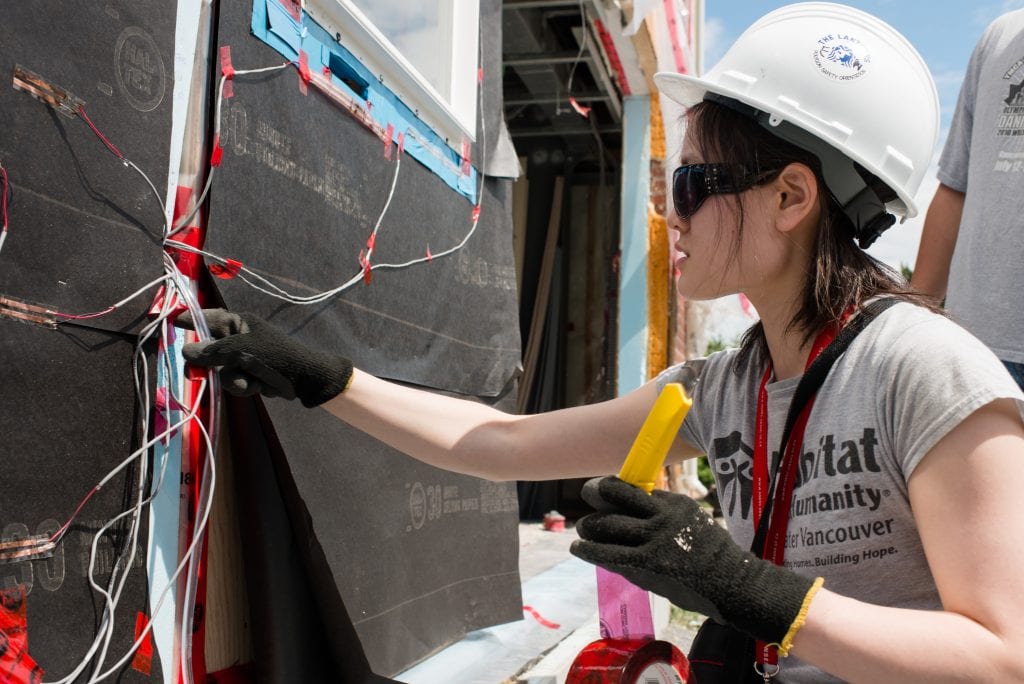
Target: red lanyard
775, 547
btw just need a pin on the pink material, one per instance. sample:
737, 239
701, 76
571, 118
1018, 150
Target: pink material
747, 307
304, 73
537, 616
218, 151
554, 522
624, 608
227, 70
164, 404
580, 109
613, 56
293, 8
466, 150
228, 270
387, 141
176, 307
677, 49
189, 263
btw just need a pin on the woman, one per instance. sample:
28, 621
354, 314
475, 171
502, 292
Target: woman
903, 538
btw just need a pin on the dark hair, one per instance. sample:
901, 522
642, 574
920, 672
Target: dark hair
840, 275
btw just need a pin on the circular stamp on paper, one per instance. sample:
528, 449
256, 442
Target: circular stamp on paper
140, 69
417, 505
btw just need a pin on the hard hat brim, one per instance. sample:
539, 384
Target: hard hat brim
686, 90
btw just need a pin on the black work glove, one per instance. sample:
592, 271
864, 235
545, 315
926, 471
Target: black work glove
667, 544
254, 357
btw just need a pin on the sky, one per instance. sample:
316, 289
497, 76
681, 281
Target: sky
943, 31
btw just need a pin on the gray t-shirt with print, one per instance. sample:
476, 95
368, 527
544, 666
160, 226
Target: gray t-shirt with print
984, 158
905, 382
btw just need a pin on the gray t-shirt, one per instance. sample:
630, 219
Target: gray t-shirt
984, 158
905, 382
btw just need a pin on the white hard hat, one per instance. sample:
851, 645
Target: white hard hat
840, 83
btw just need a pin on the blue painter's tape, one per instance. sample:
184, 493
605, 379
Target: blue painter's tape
275, 27
284, 26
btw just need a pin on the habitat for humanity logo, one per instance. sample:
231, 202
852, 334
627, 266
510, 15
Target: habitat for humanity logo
841, 56
1011, 117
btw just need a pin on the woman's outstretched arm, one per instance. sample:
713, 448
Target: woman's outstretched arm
467, 437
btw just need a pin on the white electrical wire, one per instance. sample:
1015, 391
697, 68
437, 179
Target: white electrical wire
190, 552
178, 288
184, 221
262, 284
161, 323
205, 480
107, 620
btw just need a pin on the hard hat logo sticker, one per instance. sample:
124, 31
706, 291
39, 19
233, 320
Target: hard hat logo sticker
841, 56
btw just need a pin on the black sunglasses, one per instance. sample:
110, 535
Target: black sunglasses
694, 183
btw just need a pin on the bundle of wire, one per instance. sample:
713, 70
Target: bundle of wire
177, 288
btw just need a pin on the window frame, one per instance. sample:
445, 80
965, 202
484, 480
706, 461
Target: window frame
453, 118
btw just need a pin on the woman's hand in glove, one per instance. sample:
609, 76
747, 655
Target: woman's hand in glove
254, 357
667, 544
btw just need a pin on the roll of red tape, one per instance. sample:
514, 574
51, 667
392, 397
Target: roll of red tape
629, 661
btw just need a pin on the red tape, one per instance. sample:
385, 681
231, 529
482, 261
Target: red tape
674, 32
466, 151
294, 8
304, 75
177, 306
537, 616
387, 141
629, 661
476, 213
16, 665
613, 56
580, 109
218, 151
227, 70
226, 271
162, 406
364, 261
188, 263
13, 623
143, 658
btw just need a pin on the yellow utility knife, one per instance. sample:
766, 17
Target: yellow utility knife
648, 452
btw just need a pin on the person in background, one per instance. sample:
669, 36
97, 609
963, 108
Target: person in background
971, 252
904, 539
